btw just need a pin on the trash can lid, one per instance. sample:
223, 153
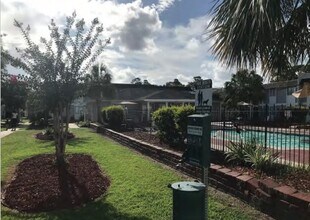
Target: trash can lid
188, 186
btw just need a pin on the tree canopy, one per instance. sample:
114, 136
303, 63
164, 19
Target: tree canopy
98, 85
174, 83
13, 92
136, 81
14, 88
244, 86
193, 84
56, 67
274, 33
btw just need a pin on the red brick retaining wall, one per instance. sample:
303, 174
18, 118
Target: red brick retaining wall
278, 201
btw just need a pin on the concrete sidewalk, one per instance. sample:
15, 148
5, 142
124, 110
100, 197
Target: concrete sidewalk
6, 133
73, 125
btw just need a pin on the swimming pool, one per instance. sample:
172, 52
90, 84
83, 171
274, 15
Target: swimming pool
274, 139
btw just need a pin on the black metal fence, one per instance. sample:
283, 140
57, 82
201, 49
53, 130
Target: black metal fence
281, 129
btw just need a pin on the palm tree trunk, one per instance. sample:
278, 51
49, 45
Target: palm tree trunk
99, 115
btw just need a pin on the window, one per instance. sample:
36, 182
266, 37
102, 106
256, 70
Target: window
281, 96
290, 90
272, 92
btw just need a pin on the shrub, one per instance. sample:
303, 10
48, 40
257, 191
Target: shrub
104, 114
251, 153
164, 120
48, 131
83, 124
182, 112
261, 159
72, 120
235, 153
81, 118
114, 116
39, 118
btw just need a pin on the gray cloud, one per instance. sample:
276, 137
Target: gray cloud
138, 30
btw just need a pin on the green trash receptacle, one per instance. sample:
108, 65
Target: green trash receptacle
188, 200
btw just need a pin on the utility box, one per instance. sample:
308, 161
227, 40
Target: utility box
198, 140
188, 200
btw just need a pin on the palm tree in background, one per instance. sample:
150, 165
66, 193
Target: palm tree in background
98, 86
274, 33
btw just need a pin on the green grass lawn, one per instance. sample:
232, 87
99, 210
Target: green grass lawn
138, 185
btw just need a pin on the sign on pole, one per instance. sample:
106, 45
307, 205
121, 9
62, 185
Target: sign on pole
203, 96
199, 147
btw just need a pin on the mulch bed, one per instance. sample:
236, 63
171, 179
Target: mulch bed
151, 139
298, 179
40, 185
45, 137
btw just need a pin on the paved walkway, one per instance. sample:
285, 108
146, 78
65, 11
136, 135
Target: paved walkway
73, 125
8, 132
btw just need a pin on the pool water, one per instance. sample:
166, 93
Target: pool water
274, 139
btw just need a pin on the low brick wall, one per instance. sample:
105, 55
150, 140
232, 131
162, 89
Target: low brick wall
278, 201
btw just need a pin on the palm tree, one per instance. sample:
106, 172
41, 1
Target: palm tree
98, 86
272, 32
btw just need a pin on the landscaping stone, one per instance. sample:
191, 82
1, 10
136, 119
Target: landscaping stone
300, 199
244, 178
285, 190
266, 195
268, 186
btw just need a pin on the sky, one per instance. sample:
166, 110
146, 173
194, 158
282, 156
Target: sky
155, 40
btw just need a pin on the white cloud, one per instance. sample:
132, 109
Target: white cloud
122, 75
163, 5
141, 45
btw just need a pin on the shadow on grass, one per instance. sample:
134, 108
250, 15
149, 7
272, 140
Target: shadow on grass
94, 210
75, 142
35, 127
79, 140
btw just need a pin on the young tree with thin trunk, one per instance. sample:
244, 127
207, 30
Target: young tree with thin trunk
57, 66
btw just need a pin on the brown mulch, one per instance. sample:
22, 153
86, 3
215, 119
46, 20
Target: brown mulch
296, 178
151, 139
40, 185
45, 137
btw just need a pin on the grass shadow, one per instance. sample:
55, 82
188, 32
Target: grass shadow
94, 210
74, 142
79, 141
35, 127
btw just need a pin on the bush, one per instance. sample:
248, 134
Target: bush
104, 114
48, 131
261, 159
164, 121
235, 153
72, 120
251, 153
172, 123
81, 118
114, 116
182, 112
39, 118
83, 124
